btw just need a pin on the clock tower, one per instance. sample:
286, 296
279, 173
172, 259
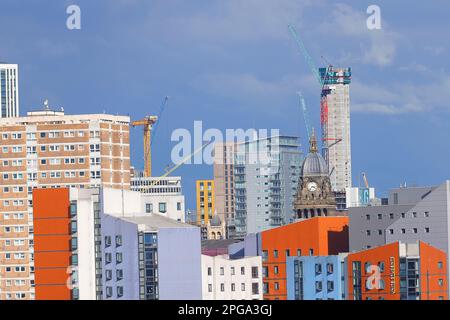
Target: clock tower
314, 195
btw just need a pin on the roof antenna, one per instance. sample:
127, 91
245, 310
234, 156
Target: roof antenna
46, 105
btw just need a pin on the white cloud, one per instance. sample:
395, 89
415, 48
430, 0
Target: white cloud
402, 97
377, 47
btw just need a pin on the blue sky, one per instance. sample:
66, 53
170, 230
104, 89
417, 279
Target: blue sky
232, 64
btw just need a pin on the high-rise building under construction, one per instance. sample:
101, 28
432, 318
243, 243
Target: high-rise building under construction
335, 120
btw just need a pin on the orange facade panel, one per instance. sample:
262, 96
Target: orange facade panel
53, 292
51, 203
364, 283
53, 276
52, 227
433, 266
52, 243
56, 259
52, 250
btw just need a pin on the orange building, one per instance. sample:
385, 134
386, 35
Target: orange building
320, 236
52, 244
398, 271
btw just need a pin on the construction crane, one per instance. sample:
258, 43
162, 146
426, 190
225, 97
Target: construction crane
182, 162
327, 142
160, 113
305, 114
149, 123
306, 55
366, 182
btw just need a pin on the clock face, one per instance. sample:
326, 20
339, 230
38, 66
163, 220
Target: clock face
312, 186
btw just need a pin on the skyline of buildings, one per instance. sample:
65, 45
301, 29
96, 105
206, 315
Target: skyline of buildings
79, 222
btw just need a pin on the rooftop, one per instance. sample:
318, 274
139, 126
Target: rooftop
154, 222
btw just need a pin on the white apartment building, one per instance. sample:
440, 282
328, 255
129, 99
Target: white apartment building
9, 90
231, 279
49, 149
163, 196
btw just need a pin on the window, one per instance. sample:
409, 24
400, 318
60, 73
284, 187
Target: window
108, 258
403, 215
380, 216
368, 232
242, 270
209, 271
288, 253
299, 252
265, 255
222, 287
330, 268
232, 271
318, 268
178, 206
255, 272
108, 292
119, 292
330, 286
255, 288
162, 207
426, 214
107, 241
318, 286
311, 252
149, 208
367, 216
209, 287
242, 286
440, 265
441, 282
108, 275
380, 232
222, 271
415, 230
233, 287
275, 253
275, 270
391, 216
276, 286
119, 257
403, 231
119, 274
414, 214
118, 241
391, 231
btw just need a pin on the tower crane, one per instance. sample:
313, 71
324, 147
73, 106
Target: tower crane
327, 142
149, 123
305, 114
366, 182
182, 162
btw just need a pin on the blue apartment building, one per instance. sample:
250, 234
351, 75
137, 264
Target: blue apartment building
316, 278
